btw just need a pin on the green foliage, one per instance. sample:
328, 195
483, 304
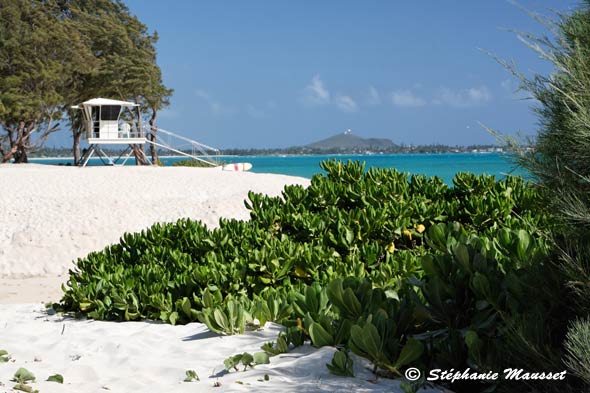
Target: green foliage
22, 377
4, 356
56, 378
577, 345
228, 319
193, 163
56, 53
555, 159
246, 359
191, 376
341, 364
273, 349
39, 58
402, 270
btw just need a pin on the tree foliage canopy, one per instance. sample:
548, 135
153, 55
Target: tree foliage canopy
54, 53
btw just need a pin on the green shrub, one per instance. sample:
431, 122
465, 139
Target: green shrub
403, 270
577, 345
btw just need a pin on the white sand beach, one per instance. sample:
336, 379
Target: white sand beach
96, 356
52, 215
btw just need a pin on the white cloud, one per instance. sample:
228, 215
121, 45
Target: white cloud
373, 98
405, 98
346, 103
215, 107
255, 112
316, 93
472, 96
202, 94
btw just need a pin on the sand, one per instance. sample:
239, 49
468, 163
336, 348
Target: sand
52, 215
96, 356
49, 216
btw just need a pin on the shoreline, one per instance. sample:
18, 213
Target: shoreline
312, 155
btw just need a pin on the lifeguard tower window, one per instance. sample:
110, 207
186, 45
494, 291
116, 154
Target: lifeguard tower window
95, 122
110, 112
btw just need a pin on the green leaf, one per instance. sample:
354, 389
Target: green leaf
56, 378
232, 362
524, 240
319, 336
410, 352
461, 253
186, 306
173, 317
23, 387
341, 364
371, 340
191, 375
221, 320
261, 358
247, 359
23, 375
311, 301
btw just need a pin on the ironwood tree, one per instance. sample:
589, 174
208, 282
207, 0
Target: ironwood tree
125, 65
39, 56
114, 56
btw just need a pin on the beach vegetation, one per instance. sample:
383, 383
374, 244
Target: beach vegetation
341, 364
193, 163
246, 359
557, 163
403, 270
4, 356
577, 345
22, 377
191, 376
273, 349
40, 57
58, 378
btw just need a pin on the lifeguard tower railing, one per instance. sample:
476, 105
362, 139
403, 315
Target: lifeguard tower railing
183, 146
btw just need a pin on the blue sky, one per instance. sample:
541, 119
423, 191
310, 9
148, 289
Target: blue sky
283, 73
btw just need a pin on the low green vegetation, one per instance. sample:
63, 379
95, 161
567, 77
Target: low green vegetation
58, 378
191, 376
23, 377
402, 270
193, 163
246, 359
341, 364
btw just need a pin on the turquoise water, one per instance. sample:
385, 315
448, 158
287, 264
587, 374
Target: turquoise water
443, 165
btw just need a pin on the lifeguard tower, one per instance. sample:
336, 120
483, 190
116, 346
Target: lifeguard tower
114, 122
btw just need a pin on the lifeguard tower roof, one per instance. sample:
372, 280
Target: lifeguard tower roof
105, 101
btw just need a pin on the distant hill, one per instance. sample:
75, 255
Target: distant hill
347, 140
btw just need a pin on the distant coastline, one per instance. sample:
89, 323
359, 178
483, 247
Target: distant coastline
66, 153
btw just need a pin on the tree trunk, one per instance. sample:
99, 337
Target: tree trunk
20, 156
14, 133
76, 147
153, 129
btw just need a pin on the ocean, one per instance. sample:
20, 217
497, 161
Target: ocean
443, 165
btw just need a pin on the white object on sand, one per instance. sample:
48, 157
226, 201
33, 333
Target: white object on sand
237, 167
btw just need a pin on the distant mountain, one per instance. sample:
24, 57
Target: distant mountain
347, 140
